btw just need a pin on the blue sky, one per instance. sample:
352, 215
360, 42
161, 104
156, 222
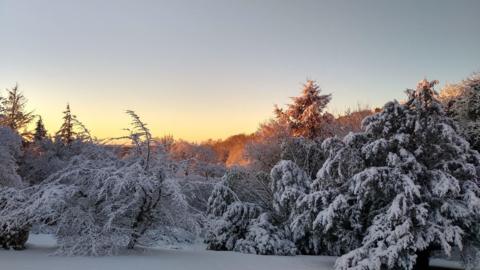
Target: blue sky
208, 69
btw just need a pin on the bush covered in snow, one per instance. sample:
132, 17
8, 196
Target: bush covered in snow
251, 228
265, 238
99, 202
13, 228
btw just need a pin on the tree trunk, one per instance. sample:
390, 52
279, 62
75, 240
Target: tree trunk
132, 242
423, 260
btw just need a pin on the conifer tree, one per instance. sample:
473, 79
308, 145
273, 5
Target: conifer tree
306, 116
13, 110
40, 130
66, 134
389, 196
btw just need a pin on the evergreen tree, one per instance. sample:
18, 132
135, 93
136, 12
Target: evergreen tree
289, 182
407, 185
66, 134
232, 226
222, 196
306, 116
40, 131
265, 238
13, 111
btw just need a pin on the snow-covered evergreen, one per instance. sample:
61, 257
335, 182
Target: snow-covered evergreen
232, 226
265, 238
222, 196
289, 183
306, 116
10, 151
406, 186
66, 133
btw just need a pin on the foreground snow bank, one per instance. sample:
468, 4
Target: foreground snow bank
40, 247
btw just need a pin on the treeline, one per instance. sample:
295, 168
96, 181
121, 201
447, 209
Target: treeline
381, 188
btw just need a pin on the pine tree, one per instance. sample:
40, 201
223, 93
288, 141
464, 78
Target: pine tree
265, 238
289, 182
406, 186
222, 196
40, 131
13, 111
306, 116
232, 226
66, 134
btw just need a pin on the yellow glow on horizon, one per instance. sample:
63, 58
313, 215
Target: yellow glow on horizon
110, 122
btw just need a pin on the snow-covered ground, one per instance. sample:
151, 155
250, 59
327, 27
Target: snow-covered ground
38, 257
40, 247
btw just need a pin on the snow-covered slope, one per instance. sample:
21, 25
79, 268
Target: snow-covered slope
39, 256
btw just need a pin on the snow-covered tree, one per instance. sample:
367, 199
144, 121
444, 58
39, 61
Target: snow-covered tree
289, 183
12, 233
306, 153
407, 185
14, 230
13, 110
351, 120
222, 196
462, 103
232, 226
306, 116
265, 238
10, 151
44, 155
66, 133
40, 131
140, 137
100, 204
249, 224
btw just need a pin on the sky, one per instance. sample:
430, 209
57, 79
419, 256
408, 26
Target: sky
204, 69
